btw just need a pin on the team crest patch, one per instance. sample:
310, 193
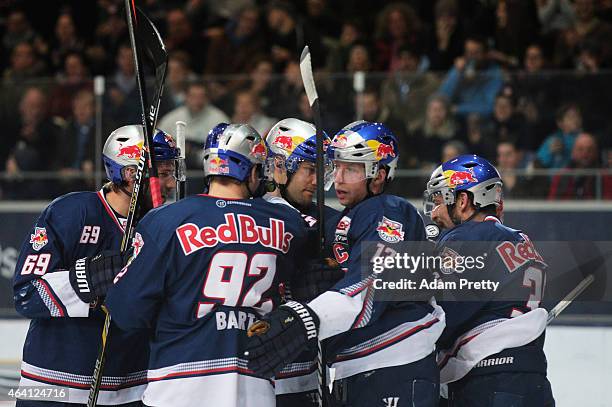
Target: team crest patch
39, 238
137, 244
390, 230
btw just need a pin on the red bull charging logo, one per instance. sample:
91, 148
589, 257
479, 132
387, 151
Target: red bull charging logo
390, 230
288, 143
381, 151
259, 150
340, 140
454, 178
131, 152
39, 238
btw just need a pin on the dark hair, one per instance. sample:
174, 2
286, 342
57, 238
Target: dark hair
562, 111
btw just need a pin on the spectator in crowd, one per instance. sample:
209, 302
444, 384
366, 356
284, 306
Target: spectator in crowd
338, 53
79, 143
232, 51
35, 149
585, 155
287, 92
452, 149
509, 160
110, 34
322, 18
18, 30
123, 93
534, 91
180, 37
473, 82
510, 42
449, 36
555, 15
179, 76
478, 136
591, 29
247, 110
200, 116
372, 110
397, 25
66, 41
556, 150
260, 83
404, 91
427, 141
73, 77
506, 124
24, 64
284, 29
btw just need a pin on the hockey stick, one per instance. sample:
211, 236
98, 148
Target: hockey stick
181, 179
139, 26
570, 297
313, 100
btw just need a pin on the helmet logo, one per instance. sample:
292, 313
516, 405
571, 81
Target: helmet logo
130, 152
218, 165
381, 151
288, 143
259, 150
340, 140
455, 178
170, 141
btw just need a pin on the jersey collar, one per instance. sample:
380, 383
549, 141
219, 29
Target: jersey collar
119, 221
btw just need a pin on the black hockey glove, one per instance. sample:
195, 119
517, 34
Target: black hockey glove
316, 278
91, 277
280, 336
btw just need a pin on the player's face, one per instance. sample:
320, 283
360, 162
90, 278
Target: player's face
167, 181
303, 184
350, 183
440, 214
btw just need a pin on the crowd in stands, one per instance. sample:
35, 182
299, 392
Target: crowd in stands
524, 83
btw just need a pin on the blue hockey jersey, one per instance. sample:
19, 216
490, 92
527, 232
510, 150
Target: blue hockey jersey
203, 270
489, 336
64, 336
365, 334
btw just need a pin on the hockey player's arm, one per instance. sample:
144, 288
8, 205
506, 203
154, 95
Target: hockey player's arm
138, 291
349, 304
41, 284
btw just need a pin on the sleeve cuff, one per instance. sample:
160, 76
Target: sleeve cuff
60, 284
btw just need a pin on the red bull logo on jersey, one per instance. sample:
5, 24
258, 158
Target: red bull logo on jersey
259, 150
39, 238
236, 229
516, 254
130, 152
454, 178
137, 244
390, 230
218, 165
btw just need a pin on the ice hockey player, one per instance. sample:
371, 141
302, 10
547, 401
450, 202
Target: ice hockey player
204, 269
293, 151
382, 352
492, 350
66, 265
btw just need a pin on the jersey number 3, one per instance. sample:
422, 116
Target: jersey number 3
226, 279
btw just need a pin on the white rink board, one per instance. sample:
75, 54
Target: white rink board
579, 361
